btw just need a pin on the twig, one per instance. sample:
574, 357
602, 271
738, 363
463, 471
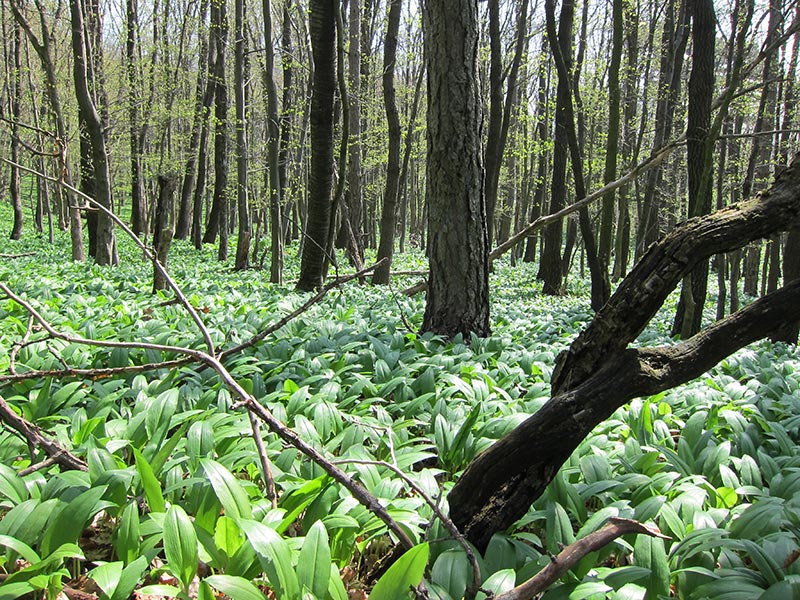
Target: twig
572, 554
33, 434
266, 468
15, 349
37, 467
474, 585
22, 255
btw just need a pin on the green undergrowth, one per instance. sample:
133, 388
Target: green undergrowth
173, 502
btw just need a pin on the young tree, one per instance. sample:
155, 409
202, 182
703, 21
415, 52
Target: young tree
16, 102
239, 84
391, 191
102, 240
322, 27
458, 290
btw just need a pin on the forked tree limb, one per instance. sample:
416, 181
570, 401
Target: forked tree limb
599, 373
572, 555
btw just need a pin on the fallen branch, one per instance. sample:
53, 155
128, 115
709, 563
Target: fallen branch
35, 438
572, 554
24, 254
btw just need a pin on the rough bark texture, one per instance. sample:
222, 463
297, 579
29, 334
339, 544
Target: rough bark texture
16, 101
458, 292
274, 149
322, 28
599, 372
240, 70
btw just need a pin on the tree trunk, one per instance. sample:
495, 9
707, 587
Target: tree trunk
240, 99
322, 27
274, 143
699, 149
138, 203
163, 228
105, 251
16, 101
458, 290
600, 372
391, 192
218, 215
201, 110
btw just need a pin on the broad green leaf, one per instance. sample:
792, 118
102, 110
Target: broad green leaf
150, 484
275, 557
499, 582
229, 491
237, 588
314, 562
66, 526
129, 578
649, 553
398, 580
20, 548
228, 536
180, 545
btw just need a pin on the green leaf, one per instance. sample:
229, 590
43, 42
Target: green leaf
237, 588
501, 581
180, 545
20, 548
12, 486
649, 553
396, 583
150, 484
314, 562
128, 533
66, 526
275, 557
229, 491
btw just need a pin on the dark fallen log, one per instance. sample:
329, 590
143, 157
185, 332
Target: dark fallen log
599, 372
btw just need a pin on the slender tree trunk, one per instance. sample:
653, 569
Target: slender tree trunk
389, 214
163, 227
322, 27
274, 147
218, 215
699, 146
16, 101
612, 141
138, 203
239, 83
201, 109
105, 244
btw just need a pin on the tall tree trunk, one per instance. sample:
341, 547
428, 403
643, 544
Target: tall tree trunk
458, 288
274, 147
673, 46
612, 141
16, 101
105, 243
389, 214
240, 99
138, 203
322, 27
201, 109
699, 150
163, 227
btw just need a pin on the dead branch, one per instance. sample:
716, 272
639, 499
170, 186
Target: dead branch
22, 255
572, 554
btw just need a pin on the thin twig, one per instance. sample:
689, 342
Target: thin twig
15, 349
448, 524
22, 255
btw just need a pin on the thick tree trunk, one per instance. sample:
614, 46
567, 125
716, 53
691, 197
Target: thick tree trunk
322, 27
392, 189
600, 372
458, 291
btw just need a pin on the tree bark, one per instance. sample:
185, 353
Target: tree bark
16, 101
136, 143
163, 228
392, 189
242, 161
105, 251
322, 27
458, 291
600, 372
